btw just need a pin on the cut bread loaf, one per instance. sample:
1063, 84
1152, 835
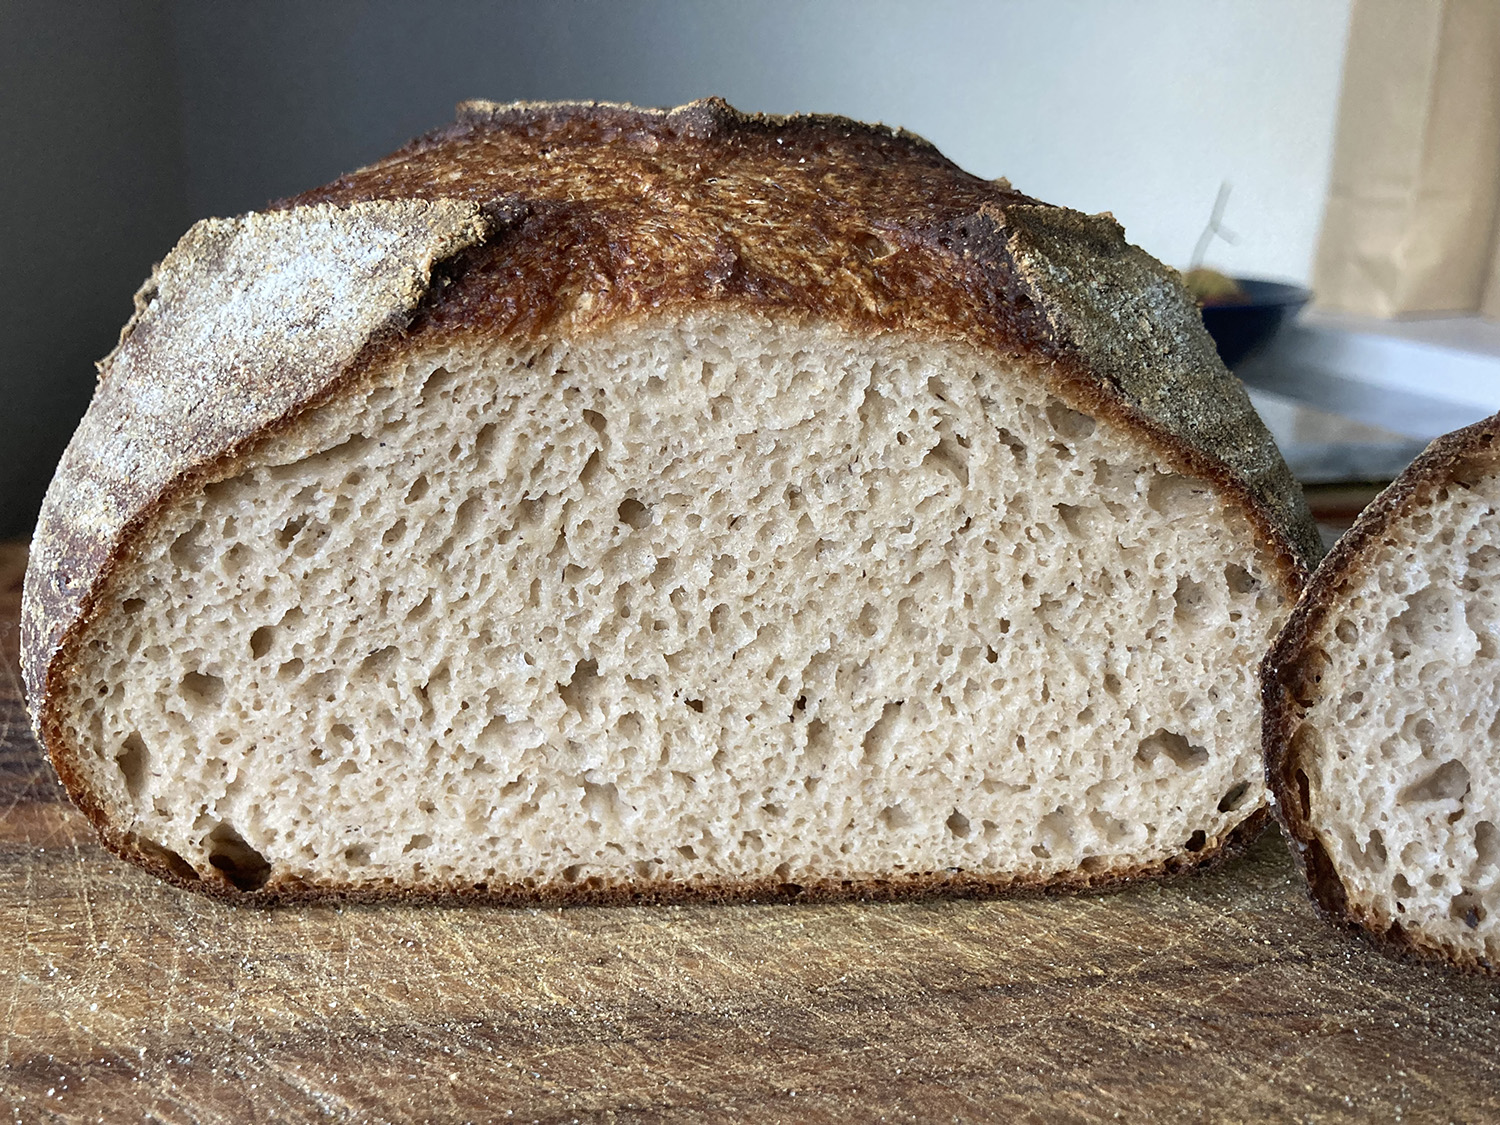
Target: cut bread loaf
591, 504
1382, 711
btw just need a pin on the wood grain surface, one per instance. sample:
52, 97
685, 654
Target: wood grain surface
1215, 998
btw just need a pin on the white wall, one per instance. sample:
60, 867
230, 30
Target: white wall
1140, 107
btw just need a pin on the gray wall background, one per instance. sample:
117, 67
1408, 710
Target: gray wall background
128, 119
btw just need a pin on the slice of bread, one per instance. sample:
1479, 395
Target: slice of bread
1382, 711
590, 503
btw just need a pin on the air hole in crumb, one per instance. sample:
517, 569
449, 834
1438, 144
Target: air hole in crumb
894, 817
1076, 518
1069, 423
1192, 601
950, 457
486, 441
1468, 909
1346, 631
1304, 792
1182, 754
592, 468
595, 421
417, 843
466, 518
581, 688
357, 855
134, 761
878, 738
261, 641
1487, 844
958, 824
1057, 827
696, 705
686, 851
1239, 580
188, 550
379, 661
1112, 683
1196, 841
990, 655
133, 605
1016, 446
241, 864
1449, 782
1234, 797
394, 533
290, 670
200, 688
171, 860
418, 489
289, 530
634, 513
1173, 495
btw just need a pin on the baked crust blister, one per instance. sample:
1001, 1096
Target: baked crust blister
532, 221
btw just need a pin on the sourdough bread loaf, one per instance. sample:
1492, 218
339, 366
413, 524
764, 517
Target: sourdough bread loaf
588, 503
1382, 712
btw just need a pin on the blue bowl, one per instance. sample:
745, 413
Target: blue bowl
1243, 327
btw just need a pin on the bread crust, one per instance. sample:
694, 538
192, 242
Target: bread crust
171, 868
532, 221
1291, 677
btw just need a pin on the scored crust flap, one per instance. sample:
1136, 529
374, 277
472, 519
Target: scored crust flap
246, 320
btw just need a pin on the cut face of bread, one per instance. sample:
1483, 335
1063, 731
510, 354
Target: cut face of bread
1383, 712
596, 504
706, 601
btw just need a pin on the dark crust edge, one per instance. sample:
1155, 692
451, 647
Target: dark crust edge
1290, 678
1067, 374
170, 868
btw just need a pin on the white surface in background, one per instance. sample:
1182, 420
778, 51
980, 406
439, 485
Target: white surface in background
1139, 108
1416, 378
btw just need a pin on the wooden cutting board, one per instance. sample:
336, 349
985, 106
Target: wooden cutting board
1220, 997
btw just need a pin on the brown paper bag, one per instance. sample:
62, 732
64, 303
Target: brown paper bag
1410, 221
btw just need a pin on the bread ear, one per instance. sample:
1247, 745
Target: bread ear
246, 322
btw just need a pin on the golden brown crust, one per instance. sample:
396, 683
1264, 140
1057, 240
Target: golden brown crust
1291, 676
528, 221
